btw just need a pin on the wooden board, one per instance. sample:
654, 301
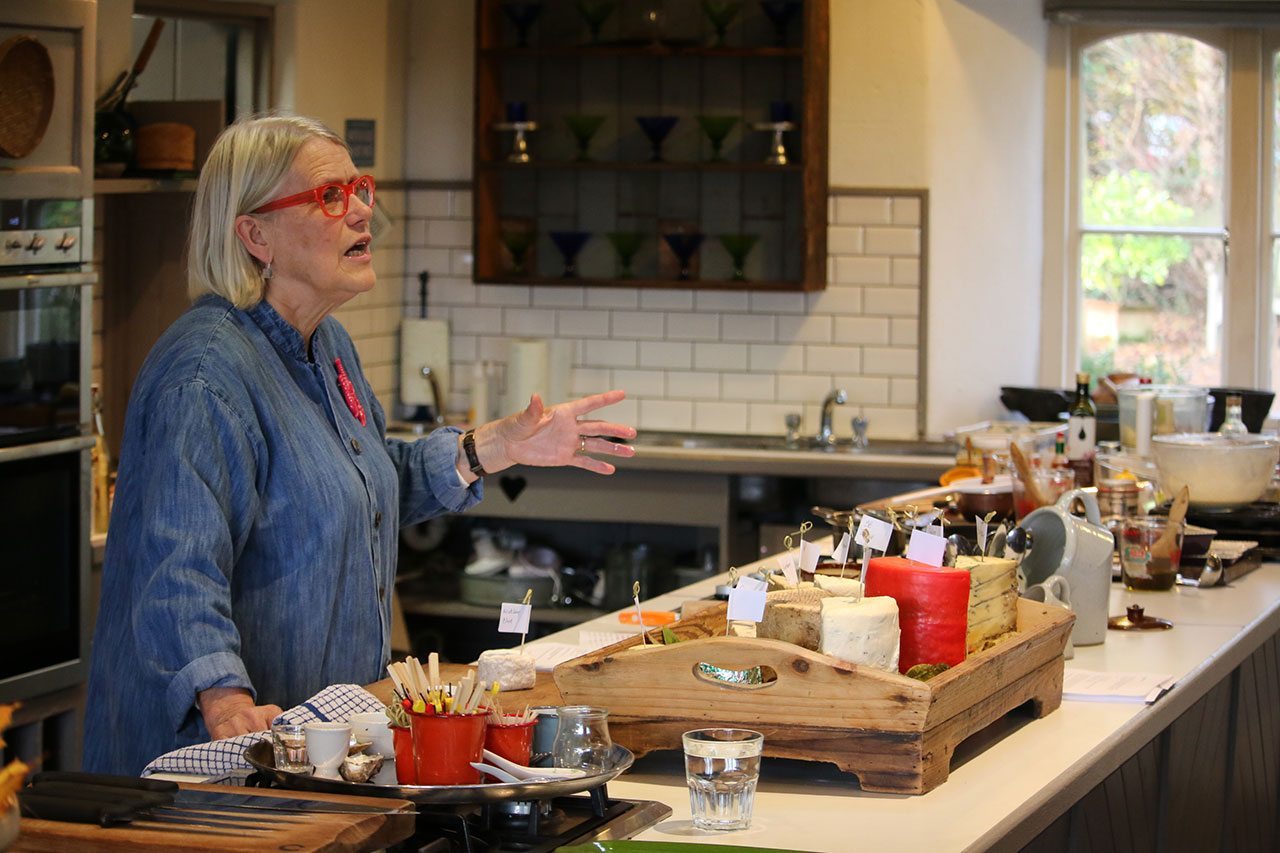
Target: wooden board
306, 832
894, 733
543, 692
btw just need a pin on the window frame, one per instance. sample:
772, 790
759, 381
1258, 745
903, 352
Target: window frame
1247, 206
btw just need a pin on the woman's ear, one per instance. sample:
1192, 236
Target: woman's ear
249, 232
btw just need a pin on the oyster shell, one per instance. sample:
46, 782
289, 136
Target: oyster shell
361, 767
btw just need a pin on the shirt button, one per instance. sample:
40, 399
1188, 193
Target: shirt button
377, 520
355, 445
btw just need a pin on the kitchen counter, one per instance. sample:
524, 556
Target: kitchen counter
1012, 781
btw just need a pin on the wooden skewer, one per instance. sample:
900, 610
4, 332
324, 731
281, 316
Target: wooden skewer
433, 667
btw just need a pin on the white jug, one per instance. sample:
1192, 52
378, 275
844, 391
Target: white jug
1078, 549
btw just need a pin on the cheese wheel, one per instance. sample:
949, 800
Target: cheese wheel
863, 631
933, 608
510, 668
794, 616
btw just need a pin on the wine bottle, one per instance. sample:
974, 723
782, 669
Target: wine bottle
1082, 432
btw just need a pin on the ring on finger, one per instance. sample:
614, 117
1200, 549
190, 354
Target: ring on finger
582, 444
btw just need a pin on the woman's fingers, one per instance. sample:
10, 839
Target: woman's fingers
594, 401
600, 445
606, 428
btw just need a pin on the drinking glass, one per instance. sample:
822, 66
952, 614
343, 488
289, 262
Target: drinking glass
518, 243
656, 129
1141, 567
721, 768
289, 747
582, 739
626, 244
779, 13
1051, 483
522, 15
717, 128
721, 13
583, 128
738, 246
595, 13
683, 246
570, 243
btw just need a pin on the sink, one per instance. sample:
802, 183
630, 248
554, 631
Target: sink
716, 441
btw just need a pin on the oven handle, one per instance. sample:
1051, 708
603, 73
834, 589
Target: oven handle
45, 448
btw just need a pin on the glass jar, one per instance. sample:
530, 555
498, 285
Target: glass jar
582, 739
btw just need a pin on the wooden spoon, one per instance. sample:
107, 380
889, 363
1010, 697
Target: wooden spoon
1023, 465
1163, 547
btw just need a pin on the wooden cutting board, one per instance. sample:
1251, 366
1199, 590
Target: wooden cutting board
308, 832
543, 692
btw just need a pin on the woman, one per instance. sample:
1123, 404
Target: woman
253, 537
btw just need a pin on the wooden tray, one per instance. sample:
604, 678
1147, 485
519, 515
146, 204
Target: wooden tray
894, 733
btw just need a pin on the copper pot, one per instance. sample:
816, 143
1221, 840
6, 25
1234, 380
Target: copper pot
980, 500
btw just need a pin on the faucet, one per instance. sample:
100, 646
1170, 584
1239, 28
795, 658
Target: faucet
860, 432
430, 376
826, 437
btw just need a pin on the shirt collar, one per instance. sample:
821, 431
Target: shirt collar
283, 336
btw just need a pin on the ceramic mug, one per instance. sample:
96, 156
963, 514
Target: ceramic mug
374, 726
1079, 550
1056, 592
327, 746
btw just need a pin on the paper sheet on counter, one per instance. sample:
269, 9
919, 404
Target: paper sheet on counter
547, 656
1085, 685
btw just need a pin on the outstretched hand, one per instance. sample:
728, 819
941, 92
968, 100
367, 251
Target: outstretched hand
557, 435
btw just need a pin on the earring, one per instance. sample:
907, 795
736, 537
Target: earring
266, 272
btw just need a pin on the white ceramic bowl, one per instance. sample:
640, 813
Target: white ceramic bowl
1219, 471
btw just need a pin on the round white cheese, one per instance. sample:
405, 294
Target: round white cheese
511, 669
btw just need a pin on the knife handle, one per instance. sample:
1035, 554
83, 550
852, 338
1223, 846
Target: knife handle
105, 794
72, 810
136, 783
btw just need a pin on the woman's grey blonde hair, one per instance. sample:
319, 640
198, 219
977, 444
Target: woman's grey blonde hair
248, 160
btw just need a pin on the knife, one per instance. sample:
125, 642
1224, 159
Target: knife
69, 810
151, 802
108, 806
212, 799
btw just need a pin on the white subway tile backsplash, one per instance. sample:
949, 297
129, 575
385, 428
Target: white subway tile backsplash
903, 392
777, 357
666, 354
693, 385
463, 348
906, 271
492, 348
749, 328
863, 210
529, 322
885, 361
865, 390
890, 423
721, 300
502, 294
904, 331
434, 261
591, 380
461, 204
428, 204
612, 297
777, 303
415, 232
666, 414
832, 359
899, 301
893, 241
747, 386
844, 240
611, 353
802, 388
693, 327
854, 269
709, 356
667, 300
586, 324
475, 321
450, 233
710, 416
862, 330
768, 418
906, 211
638, 324
640, 383
558, 297
835, 301
461, 261
814, 329
626, 412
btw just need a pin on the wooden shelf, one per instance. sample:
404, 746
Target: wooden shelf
659, 51
136, 186
421, 605
648, 283
638, 166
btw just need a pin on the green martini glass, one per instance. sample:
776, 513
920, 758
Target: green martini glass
626, 244
517, 243
583, 128
717, 129
595, 13
721, 13
738, 246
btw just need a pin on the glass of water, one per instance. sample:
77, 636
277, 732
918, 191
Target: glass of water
289, 744
721, 767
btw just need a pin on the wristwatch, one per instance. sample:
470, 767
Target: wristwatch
469, 448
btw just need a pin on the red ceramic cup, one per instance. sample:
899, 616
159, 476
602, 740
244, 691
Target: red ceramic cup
513, 742
444, 745
406, 771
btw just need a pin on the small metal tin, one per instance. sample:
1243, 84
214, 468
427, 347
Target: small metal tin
544, 734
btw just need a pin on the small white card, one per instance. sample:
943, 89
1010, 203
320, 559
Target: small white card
787, 560
874, 533
841, 553
514, 618
935, 529
749, 583
926, 519
981, 524
809, 555
926, 548
746, 605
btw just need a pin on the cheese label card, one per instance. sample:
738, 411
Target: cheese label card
925, 519
809, 554
746, 605
841, 553
874, 533
514, 618
749, 583
926, 548
981, 524
935, 529
787, 560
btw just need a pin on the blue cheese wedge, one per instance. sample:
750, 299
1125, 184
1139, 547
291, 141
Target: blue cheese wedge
862, 631
993, 599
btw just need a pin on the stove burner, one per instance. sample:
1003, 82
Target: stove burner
1256, 522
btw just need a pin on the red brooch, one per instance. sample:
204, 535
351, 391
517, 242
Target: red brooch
349, 392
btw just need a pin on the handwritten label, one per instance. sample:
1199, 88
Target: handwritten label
746, 605
751, 583
841, 553
787, 560
809, 554
926, 548
874, 533
981, 524
514, 618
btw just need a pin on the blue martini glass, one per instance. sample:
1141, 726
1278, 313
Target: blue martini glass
779, 13
683, 246
522, 14
656, 129
570, 243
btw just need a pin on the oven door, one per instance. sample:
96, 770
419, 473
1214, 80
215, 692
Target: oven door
44, 640
43, 361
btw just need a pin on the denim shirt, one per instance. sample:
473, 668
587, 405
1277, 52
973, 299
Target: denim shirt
254, 532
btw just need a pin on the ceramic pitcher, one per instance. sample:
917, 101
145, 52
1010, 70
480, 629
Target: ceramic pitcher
1078, 549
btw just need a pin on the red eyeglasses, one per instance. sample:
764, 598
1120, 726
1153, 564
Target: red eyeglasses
332, 198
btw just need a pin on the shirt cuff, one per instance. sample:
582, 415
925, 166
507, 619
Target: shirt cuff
220, 669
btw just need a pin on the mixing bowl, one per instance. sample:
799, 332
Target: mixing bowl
1218, 470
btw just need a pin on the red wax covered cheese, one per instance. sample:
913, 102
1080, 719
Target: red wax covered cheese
933, 608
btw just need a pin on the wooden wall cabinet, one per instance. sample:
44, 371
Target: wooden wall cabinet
652, 59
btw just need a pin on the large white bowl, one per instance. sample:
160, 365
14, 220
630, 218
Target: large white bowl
1218, 470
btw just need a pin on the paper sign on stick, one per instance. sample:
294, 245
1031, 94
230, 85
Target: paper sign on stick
809, 554
926, 548
879, 533
841, 552
982, 533
514, 618
750, 583
746, 605
787, 560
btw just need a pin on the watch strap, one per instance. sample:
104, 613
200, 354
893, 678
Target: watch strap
469, 448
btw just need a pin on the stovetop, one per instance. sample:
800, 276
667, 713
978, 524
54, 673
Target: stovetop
1256, 522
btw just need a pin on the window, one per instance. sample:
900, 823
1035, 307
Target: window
1163, 251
